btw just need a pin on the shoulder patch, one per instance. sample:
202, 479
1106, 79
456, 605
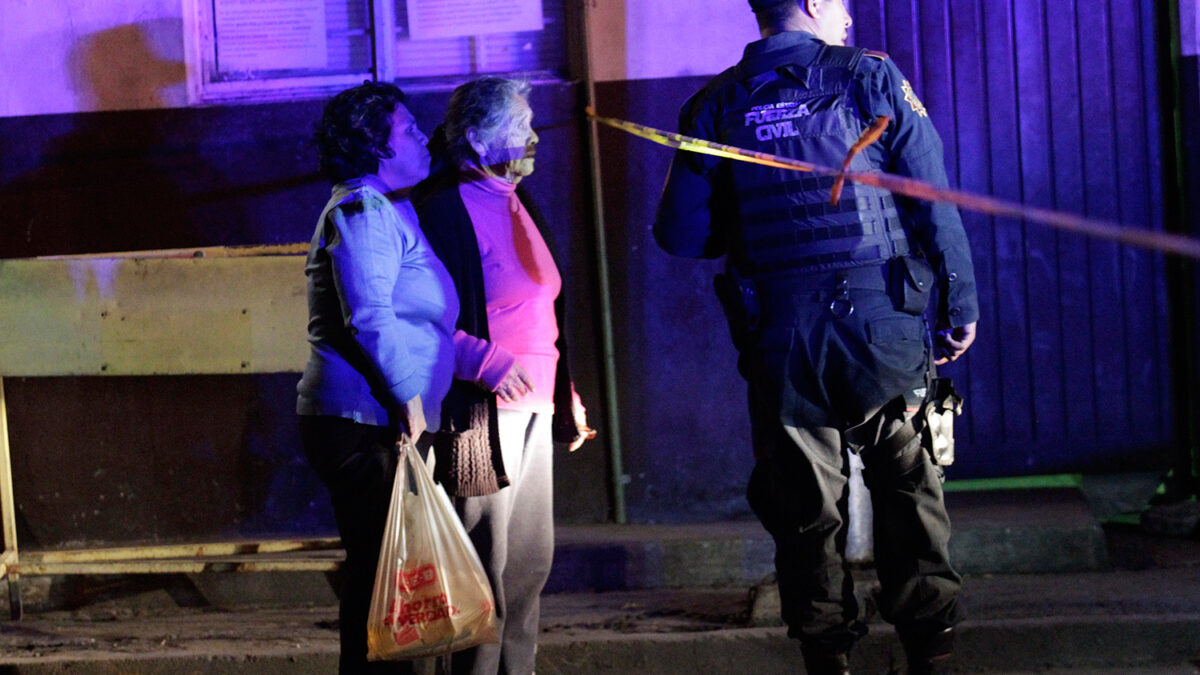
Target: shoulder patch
882, 56
910, 97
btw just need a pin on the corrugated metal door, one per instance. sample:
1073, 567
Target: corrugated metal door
1055, 104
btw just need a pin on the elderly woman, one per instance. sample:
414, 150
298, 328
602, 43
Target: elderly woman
382, 310
513, 396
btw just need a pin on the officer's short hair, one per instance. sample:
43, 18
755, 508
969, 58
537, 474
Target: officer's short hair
773, 12
759, 5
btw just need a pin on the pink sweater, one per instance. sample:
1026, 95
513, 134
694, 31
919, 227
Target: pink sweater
520, 282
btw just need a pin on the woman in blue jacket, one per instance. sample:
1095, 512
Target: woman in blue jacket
382, 311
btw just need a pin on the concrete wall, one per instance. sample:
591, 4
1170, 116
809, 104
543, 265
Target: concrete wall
1189, 27
59, 56
639, 40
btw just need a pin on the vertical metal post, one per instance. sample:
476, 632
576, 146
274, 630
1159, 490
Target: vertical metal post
1181, 274
9, 515
383, 30
613, 417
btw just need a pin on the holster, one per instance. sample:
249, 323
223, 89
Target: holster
942, 404
739, 300
910, 284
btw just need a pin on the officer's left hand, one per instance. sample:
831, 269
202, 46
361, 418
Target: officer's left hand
951, 343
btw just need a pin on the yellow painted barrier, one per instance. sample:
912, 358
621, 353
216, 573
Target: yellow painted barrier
218, 310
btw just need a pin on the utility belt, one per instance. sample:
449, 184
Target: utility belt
787, 296
908, 281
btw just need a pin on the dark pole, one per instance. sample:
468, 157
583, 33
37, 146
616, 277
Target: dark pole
1180, 170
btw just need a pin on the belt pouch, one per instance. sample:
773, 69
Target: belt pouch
910, 284
943, 404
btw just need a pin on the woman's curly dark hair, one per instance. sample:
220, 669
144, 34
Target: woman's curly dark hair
486, 104
354, 130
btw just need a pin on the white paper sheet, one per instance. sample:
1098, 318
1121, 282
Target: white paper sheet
432, 19
270, 34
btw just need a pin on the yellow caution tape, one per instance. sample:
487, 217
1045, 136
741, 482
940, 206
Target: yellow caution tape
1160, 241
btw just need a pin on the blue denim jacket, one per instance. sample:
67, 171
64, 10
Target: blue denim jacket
382, 310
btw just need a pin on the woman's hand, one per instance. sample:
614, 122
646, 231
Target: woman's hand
586, 433
515, 386
413, 423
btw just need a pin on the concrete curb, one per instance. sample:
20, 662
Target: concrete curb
1010, 644
998, 532
1007, 645
299, 663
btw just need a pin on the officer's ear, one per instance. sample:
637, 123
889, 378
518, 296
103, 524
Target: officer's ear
812, 7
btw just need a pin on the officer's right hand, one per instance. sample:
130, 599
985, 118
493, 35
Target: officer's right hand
951, 343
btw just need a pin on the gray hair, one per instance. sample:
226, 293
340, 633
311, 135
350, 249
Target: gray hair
486, 104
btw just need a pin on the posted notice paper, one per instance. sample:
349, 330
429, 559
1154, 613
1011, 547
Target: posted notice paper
432, 19
270, 34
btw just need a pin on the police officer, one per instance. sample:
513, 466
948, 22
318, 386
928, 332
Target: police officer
826, 306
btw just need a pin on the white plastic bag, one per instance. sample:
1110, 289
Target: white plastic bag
431, 594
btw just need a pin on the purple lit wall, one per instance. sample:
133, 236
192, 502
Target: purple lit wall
1050, 102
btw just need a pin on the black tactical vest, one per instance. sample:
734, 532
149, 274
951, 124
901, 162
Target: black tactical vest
807, 112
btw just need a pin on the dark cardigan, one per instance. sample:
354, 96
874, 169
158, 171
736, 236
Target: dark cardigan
467, 446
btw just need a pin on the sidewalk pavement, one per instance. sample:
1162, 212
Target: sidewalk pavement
686, 599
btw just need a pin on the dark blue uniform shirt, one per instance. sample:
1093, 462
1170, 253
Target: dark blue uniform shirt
698, 215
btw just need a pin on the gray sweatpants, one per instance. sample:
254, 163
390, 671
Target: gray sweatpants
513, 531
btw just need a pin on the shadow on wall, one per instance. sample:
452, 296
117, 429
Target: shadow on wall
102, 461
101, 181
123, 68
